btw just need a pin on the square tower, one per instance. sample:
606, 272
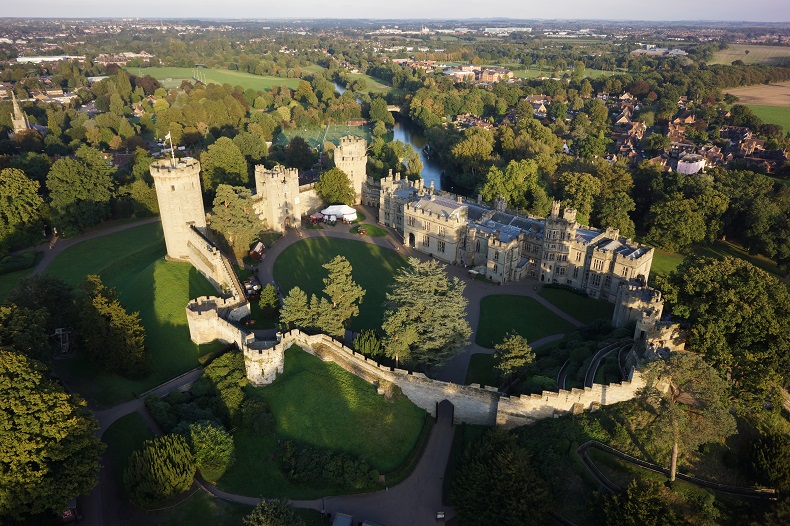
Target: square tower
180, 202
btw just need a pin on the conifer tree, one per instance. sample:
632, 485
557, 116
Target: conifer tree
163, 468
295, 312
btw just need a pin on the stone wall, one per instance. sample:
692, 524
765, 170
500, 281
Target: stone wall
472, 404
309, 201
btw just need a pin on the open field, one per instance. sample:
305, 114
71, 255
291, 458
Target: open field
530, 73
132, 262
374, 85
773, 115
764, 94
583, 308
772, 55
373, 268
172, 77
502, 313
320, 404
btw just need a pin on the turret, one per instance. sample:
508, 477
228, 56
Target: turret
351, 157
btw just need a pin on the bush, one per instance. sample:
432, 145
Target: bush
368, 343
320, 467
163, 468
273, 513
212, 447
255, 417
17, 262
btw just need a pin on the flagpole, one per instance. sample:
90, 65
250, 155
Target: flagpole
172, 152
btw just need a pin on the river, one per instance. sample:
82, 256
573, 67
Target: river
405, 131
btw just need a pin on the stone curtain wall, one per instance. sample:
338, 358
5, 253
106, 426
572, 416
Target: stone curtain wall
473, 404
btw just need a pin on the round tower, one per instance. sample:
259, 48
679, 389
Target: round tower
351, 157
180, 202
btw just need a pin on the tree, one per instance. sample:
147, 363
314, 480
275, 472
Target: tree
163, 468
234, 219
24, 330
425, 320
497, 483
380, 113
344, 294
20, 206
368, 343
43, 291
273, 513
739, 316
558, 111
112, 337
269, 302
223, 163
579, 191
334, 187
676, 223
643, 503
80, 194
513, 354
212, 447
518, 179
295, 312
298, 154
251, 145
49, 453
688, 402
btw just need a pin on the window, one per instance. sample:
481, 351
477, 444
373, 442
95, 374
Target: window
477, 246
172, 188
441, 246
576, 272
596, 279
597, 264
426, 226
411, 221
426, 240
496, 255
578, 256
607, 281
560, 271
441, 230
551, 256
496, 268
625, 272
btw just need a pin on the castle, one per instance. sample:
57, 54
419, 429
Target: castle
505, 246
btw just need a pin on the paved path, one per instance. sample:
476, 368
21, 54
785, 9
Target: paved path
56, 246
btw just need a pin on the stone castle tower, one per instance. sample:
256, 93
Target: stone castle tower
278, 202
18, 120
351, 157
180, 202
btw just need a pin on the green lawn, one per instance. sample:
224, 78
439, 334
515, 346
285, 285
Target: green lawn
481, 370
529, 73
375, 85
773, 115
9, 281
501, 313
372, 230
316, 137
132, 262
373, 268
320, 404
665, 261
582, 308
172, 77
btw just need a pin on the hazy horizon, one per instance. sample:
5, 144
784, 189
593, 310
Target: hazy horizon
760, 11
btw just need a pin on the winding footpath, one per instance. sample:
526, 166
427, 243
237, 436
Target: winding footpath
418, 498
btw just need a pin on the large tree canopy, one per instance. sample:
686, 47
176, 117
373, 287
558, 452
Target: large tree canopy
739, 316
49, 452
223, 163
234, 219
20, 205
425, 321
334, 187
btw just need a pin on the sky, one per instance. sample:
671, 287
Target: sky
725, 10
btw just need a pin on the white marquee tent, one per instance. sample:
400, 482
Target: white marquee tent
344, 211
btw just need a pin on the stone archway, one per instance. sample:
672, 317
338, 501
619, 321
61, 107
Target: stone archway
444, 409
412, 243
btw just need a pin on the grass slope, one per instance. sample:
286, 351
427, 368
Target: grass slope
582, 308
373, 268
132, 262
9, 281
320, 404
172, 77
501, 313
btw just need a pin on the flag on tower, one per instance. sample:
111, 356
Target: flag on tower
167, 136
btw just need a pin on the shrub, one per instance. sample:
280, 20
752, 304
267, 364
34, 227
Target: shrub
269, 302
320, 467
273, 513
255, 417
212, 447
163, 468
368, 343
